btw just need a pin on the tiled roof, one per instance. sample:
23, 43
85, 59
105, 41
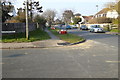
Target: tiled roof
105, 10
87, 16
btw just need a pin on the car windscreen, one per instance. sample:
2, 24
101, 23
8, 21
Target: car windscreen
83, 26
96, 26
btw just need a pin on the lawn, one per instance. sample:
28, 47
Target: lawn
71, 38
115, 30
20, 37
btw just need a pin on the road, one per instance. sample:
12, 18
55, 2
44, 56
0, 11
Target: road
96, 58
111, 40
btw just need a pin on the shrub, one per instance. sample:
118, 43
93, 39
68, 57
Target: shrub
100, 20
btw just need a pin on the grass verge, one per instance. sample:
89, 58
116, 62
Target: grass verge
71, 38
20, 37
115, 30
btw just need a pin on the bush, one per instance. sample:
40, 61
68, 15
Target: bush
115, 21
12, 21
100, 20
21, 18
39, 19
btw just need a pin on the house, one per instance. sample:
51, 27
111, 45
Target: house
87, 18
106, 12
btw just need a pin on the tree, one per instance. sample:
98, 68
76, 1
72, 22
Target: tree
110, 5
49, 15
20, 18
118, 10
33, 6
67, 16
115, 6
6, 7
76, 20
41, 21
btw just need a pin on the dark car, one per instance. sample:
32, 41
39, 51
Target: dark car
83, 27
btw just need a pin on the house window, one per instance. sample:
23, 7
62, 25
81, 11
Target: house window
104, 15
99, 15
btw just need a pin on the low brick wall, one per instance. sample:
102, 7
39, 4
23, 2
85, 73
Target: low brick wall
18, 27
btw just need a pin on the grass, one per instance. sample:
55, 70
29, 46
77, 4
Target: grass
20, 37
71, 38
115, 30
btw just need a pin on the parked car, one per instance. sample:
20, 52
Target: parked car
62, 31
74, 27
83, 27
53, 28
68, 27
96, 28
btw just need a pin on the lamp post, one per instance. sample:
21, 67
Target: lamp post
97, 12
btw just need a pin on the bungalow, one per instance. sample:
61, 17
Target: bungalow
107, 12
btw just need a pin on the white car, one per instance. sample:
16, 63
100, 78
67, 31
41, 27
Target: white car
96, 28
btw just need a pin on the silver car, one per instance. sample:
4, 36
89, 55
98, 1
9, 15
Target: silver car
96, 28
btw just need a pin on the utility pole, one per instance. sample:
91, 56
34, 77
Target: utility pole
31, 7
27, 29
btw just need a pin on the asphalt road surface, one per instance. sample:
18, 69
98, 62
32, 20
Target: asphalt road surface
111, 40
96, 58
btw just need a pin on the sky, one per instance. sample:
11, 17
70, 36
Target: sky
84, 7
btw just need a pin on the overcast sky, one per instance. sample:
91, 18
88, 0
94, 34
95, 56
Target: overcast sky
84, 7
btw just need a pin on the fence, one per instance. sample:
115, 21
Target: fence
18, 27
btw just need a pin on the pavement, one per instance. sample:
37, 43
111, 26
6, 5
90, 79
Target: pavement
53, 42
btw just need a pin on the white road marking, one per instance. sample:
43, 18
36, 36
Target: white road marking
26, 53
112, 61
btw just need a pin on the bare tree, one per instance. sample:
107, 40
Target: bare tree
67, 16
49, 15
109, 4
34, 6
